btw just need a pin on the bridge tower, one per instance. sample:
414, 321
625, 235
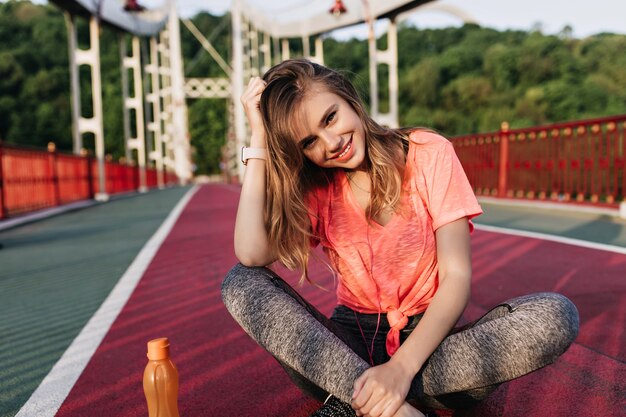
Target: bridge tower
155, 121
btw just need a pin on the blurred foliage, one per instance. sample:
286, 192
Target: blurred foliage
456, 80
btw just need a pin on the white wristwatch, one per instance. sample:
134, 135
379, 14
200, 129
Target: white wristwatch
252, 153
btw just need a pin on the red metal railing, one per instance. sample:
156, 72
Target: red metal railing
579, 161
73, 177
32, 179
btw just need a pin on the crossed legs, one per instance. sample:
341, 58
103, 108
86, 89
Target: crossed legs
511, 340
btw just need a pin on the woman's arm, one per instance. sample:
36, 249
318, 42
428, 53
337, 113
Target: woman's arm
381, 390
455, 274
251, 243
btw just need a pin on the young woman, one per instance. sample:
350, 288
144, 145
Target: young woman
391, 209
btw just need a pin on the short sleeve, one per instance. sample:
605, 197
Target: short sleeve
449, 195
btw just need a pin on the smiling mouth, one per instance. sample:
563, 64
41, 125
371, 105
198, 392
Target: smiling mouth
345, 150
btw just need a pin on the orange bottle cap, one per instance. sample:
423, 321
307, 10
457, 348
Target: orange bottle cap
159, 349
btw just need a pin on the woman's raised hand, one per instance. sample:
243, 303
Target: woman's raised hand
250, 101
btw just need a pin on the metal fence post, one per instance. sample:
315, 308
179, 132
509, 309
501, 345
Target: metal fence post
504, 159
52, 158
3, 210
88, 161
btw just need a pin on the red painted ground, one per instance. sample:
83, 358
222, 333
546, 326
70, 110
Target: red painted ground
223, 373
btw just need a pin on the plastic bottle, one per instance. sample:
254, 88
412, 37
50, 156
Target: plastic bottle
160, 380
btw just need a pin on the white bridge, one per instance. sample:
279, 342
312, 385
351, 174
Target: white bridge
158, 133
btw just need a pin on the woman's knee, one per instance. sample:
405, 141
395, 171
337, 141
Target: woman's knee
565, 313
554, 317
239, 284
231, 283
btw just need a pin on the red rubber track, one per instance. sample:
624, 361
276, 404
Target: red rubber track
224, 373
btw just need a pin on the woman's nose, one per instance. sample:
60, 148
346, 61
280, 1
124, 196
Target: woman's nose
332, 142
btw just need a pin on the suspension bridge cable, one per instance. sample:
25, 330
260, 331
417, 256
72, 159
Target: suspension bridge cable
207, 45
225, 20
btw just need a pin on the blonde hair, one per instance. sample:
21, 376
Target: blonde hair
291, 176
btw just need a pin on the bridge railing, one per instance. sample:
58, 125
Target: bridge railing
33, 179
579, 161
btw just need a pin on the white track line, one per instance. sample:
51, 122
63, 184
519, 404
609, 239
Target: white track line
552, 238
548, 205
56, 386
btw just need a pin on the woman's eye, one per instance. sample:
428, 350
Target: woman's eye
331, 117
308, 143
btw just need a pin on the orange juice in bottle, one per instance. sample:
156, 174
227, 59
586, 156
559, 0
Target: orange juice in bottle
160, 380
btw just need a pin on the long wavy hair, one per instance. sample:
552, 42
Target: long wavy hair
291, 176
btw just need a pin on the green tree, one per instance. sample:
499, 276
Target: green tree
467, 93
207, 121
542, 59
500, 65
421, 85
531, 107
11, 74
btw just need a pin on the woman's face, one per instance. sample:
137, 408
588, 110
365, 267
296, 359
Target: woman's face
329, 131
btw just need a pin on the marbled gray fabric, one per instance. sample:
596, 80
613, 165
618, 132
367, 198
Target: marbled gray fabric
326, 355
290, 329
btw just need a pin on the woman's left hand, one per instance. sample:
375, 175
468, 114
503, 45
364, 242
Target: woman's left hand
381, 390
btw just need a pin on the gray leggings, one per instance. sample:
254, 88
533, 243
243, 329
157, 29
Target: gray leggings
325, 356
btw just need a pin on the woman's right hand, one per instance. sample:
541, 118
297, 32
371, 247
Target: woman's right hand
250, 100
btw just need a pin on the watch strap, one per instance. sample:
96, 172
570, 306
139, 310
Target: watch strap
252, 153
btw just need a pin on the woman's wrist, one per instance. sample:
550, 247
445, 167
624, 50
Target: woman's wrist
256, 150
408, 364
257, 140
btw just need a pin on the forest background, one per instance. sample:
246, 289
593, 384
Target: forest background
455, 80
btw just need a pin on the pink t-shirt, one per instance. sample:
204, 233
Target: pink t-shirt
393, 269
